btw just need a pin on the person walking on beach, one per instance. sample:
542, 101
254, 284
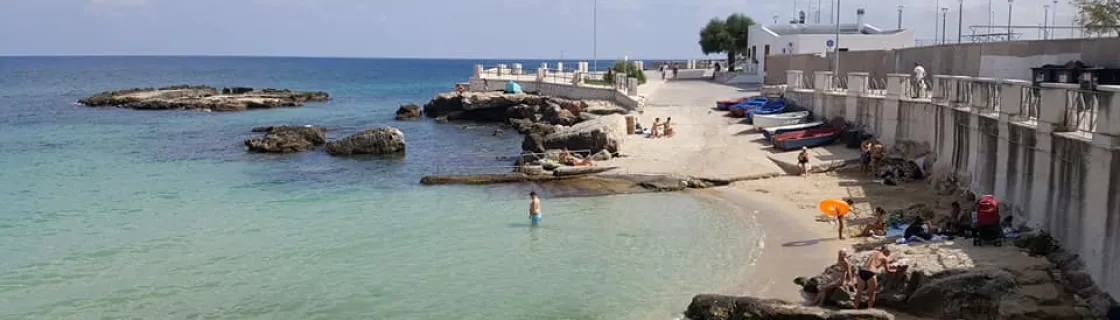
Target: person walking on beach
803, 160
534, 208
918, 85
675, 69
663, 68
869, 274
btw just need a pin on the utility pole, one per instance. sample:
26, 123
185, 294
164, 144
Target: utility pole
936, 6
595, 36
1009, 3
1054, 21
991, 16
836, 49
960, 19
944, 14
899, 17
1045, 21
819, 11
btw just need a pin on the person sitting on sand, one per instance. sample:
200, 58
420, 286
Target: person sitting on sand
869, 275
878, 226
667, 129
918, 229
847, 277
655, 129
803, 160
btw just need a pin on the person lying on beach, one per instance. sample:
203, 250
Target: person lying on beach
667, 128
878, 226
846, 277
574, 160
869, 275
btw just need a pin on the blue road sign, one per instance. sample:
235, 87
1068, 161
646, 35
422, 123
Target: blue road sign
830, 43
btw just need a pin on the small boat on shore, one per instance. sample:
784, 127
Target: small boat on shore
740, 109
725, 104
769, 133
763, 121
806, 138
770, 108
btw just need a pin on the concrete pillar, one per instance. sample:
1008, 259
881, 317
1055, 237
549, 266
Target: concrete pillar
583, 66
1011, 99
982, 92
478, 70
822, 80
544, 65
516, 69
639, 65
632, 86
794, 79
502, 69
895, 83
560, 67
541, 73
1052, 111
1003, 162
821, 83
857, 83
940, 90
1108, 114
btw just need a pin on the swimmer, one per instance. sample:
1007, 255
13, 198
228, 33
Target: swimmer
534, 208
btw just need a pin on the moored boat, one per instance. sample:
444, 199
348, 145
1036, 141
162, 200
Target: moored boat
763, 121
725, 104
740, 109
807, 138
770, 108
769, 133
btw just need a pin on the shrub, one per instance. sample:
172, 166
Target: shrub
627, 68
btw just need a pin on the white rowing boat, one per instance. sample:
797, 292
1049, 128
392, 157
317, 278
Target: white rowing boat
763, 121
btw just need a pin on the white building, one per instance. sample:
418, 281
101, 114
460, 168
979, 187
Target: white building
766, 40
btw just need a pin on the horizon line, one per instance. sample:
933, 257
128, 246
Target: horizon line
314, 57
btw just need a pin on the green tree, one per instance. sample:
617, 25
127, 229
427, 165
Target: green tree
727, 36
1098, 16
627, 68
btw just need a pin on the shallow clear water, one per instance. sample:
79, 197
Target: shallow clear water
121, 213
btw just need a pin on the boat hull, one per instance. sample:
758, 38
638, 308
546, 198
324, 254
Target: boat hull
763, 121
769, 133
806, 138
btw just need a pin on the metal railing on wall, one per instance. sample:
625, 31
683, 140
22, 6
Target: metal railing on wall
1081, 110
1030, 103
876, 87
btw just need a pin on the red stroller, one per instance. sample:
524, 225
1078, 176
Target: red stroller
987, 226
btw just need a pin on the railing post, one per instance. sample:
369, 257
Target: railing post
1011, 99
896, 85
516, 70
541, 72
822, 81
478, 71
1108, 114
794, 78
857, 83
560, 67
1052, 110
940, 89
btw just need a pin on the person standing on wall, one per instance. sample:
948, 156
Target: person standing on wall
918, 84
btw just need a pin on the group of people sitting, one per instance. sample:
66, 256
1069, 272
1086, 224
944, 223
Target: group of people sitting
661, 129
957, 224
864, 279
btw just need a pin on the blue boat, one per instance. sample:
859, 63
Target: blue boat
769, 108
769, 133
740, 109
806, 138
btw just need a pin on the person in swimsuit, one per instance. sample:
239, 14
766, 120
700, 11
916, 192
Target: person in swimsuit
666, 128
803, 160
655, 129
869, 275
865, 156
877, 227
876, 156
534, 208
846, 277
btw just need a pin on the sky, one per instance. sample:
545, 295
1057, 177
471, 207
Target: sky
529, 29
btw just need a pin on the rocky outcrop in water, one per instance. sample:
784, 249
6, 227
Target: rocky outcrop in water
503, 107
287, 139
376, 141
719, 307
193, 97
409, 111
588, 137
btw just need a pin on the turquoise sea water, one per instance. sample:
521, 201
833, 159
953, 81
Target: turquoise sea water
111, 213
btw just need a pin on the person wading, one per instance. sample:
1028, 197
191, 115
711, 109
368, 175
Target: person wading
534, 208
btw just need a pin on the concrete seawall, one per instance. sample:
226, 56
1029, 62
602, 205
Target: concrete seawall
1051, 153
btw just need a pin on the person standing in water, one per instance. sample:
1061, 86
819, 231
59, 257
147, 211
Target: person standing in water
534, 208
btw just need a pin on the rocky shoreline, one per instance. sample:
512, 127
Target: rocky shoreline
204, 98
291, 139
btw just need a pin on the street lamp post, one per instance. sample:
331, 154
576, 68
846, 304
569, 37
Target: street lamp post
1045, 21
960, 19
900, 17
595, 36
944, 14
936, 6
1054, 20
991, 15
1009, 3
836, 43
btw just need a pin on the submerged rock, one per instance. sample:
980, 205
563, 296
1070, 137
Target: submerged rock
409, 111
194, 97
720, 307
287, 139
376, 141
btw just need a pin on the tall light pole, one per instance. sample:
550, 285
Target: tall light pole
1054, 21
819, 11
1009, 3
836, 43
991, 16
595, 36
960, 19
936, 6
944, 14
1045, 21
899, 17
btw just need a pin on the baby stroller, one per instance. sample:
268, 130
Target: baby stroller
987, 227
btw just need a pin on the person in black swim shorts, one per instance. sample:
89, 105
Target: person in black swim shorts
803, 160
868, 275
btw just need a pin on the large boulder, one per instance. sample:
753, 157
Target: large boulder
719, 307
287, 139
376, 141
604, 133
409, 111
195, 97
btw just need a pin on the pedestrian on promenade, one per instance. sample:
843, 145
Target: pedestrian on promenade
918, 85
675, 69
663, 69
